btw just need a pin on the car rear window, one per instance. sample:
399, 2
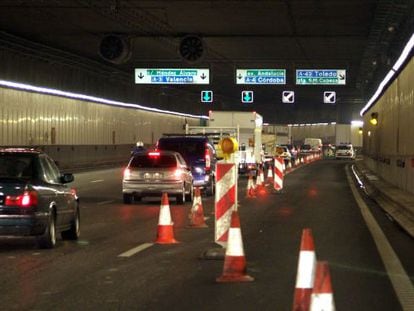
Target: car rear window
186, 147
344, 147
16, 166
147, 161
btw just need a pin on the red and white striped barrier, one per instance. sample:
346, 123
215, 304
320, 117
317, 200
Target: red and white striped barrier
278, 178
234, 269
305, 277
225, 200
322, 298
165, 233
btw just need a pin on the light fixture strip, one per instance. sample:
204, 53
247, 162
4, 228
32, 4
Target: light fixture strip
403, 57
44, 90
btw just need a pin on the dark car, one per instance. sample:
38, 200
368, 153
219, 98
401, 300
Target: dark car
154, 172
199, 153
34, 198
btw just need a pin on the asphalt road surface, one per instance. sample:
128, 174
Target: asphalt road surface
116, 265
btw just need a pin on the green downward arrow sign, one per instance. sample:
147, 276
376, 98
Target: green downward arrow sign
247, 96
206, 96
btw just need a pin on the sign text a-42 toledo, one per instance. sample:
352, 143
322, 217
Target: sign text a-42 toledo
172, 76
321, 76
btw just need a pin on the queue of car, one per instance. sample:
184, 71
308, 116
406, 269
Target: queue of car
35, 199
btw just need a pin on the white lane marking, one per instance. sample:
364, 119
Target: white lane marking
399, 279
98, 180
105, 202
136, 250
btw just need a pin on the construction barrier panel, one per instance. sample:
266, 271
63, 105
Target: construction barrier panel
225, 200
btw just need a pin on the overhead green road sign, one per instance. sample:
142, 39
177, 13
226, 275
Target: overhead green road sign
260, 76
172, 76
321, 76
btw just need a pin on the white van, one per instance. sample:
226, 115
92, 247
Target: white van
315, 143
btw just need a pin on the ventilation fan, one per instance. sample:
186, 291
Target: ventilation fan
191, 48
115, 49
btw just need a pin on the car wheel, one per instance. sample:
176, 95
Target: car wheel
127, 198
74, 232
48, 238
181, 197
190, 196
211, 188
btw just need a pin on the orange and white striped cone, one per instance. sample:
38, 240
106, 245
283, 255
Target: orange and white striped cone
165, 233
322, 295
289, 167
234, 269
251, 193
197, 213
270, 175
260, 185
306, 272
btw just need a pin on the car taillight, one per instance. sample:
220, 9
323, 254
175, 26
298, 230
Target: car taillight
27, 199
154, 154
178, 172
127, 173
207, 158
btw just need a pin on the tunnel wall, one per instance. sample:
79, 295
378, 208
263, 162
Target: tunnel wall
388, 146
79, 133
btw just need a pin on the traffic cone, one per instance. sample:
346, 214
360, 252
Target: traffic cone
250, 188
260, 187
197, 213
270, 175
262, 179
322, 294
165, 233
306, 272
289, 167
234, 269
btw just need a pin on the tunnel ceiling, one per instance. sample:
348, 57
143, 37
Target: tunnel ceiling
362, 36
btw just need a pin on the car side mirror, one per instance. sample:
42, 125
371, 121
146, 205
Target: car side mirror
67, 178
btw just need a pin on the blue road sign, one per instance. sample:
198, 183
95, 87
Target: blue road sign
206, 96
247, 97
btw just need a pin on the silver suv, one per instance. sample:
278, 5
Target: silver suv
154, 172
